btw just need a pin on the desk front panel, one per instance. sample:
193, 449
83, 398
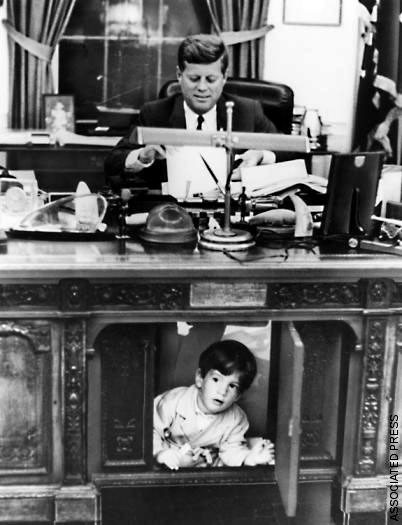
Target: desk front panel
346, 308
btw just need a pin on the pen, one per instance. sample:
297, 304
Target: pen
214, 177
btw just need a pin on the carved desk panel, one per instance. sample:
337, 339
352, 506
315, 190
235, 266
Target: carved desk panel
57, 302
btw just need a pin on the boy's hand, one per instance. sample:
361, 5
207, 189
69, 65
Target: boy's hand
262, 454
184, 457
169, 457
191, 458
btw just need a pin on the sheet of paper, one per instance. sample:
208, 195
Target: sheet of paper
187, 173
389, 187
274, 177
67, 137
15, 137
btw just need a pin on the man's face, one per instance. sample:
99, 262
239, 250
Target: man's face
201, 85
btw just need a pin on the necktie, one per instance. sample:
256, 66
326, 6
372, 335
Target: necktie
200, 120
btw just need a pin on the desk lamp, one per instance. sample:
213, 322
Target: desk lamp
224, 238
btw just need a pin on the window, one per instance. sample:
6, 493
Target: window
118, 53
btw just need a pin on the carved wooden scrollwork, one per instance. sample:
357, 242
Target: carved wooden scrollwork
316, 342
306, 295
373, 372
125, 401
160, 296
74, 377
397, 294
379, 293
25, 410
74, 294
28, 295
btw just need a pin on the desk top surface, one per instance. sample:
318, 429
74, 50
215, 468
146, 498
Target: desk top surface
52, 260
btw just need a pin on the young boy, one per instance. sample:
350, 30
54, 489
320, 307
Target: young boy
202, 425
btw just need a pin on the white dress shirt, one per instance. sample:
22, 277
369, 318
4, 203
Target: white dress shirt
210, 124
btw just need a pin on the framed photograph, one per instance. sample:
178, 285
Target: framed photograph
312, 12
59, 112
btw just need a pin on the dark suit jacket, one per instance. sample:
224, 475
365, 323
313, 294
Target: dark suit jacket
169, 113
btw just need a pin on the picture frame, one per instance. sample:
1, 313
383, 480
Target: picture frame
312, 12
58, 112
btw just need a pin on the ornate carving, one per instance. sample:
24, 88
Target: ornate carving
317, 338
22, 450
397, 293
74, 294
74, 362
124, 436
373, 371
399, 334
379, 292
123, 362
160, 296
24, 375
305, 295
28, 295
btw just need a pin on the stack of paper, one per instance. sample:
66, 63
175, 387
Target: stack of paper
269, 179
9, 137
67, 137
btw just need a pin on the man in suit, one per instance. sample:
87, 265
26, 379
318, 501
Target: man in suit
201, 72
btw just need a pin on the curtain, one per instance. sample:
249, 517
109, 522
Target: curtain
34, 28
380, 101
242, 24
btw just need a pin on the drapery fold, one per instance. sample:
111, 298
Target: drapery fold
242, 24
380, 92
389, 70
34, 47
34, 28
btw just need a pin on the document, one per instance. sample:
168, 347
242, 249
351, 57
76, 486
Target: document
269, 179
188, 175
67, 137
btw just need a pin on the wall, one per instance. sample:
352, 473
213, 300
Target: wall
320, 64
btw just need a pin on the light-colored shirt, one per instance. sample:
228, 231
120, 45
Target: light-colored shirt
179, 421
209, 123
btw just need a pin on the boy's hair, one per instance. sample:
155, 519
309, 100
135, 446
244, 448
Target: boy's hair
227, 357
202, 49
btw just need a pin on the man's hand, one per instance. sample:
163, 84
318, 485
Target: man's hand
150, 153
252, 157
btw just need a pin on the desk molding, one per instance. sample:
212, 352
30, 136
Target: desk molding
83, 294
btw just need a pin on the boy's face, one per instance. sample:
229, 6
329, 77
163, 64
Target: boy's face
201, 85
217, 392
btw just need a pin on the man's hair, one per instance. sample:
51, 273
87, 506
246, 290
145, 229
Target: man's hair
227, 357
202, 49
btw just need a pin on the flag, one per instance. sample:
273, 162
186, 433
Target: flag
379, 102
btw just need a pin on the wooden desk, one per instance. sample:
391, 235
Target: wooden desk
59, 168
70, 440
